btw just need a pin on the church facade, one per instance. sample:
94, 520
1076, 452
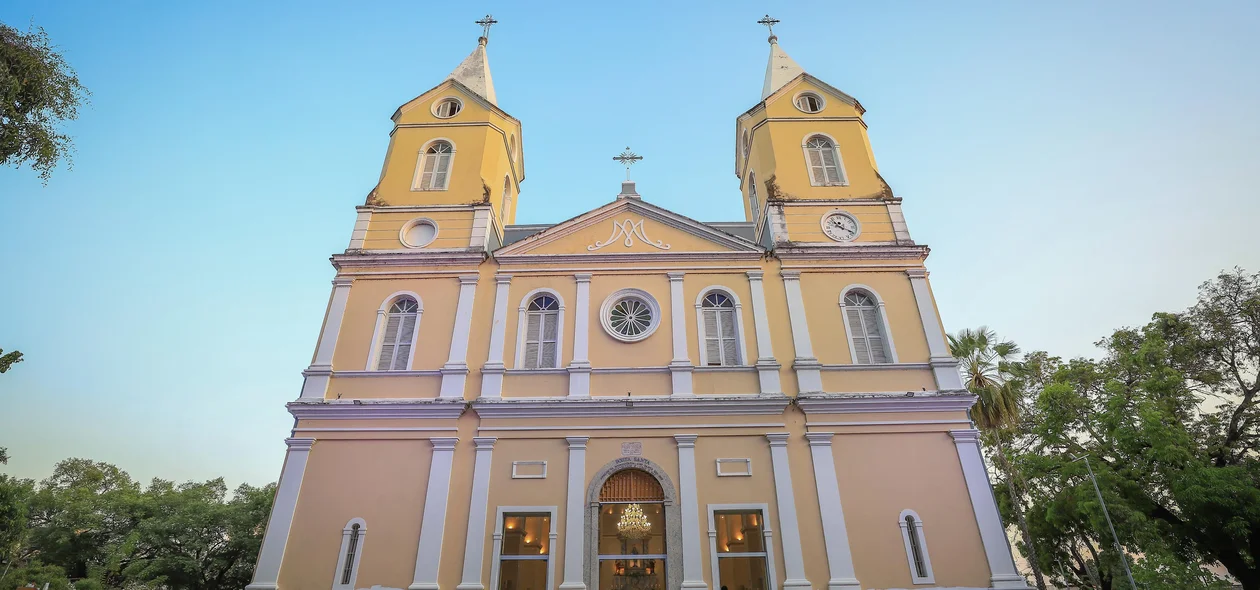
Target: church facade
632, 399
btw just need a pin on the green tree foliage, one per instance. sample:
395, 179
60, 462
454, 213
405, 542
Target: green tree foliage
38, 91
8, 360
89, 522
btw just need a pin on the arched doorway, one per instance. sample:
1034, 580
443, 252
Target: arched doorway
632, 525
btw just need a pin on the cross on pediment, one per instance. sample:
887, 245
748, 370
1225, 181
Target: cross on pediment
486, 23
627, 159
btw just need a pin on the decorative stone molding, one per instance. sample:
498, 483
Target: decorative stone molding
376, 409
673, 519
743, 405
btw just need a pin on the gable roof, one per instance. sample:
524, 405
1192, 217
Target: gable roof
469, 92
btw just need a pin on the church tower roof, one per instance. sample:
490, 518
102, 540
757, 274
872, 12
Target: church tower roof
780, 70
474, 71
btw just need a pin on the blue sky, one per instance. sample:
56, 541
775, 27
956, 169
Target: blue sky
1075, 166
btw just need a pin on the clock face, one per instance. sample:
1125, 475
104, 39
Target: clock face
840, 227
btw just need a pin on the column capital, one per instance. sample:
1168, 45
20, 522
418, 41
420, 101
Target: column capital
582, 277
755, 275
790, 275
299, 444
342, 281
965, 435
576, 443
819, 439
502, 279
468, 279
675, 275
484, 442
917, 273
444, 443
777, 439
686, 441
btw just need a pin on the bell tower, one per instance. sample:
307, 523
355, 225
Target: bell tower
452, 148
805, 147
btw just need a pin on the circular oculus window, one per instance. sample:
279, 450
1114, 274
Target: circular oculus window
809, 102
630, 315
418, 233
841, 226
447, 107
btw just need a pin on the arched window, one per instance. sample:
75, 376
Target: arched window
745, 143
631, 535
718, 323
542, 333
864, 321
753, 202
399, 332
916, 548
823, 161
435, 167
507, 200
352, 537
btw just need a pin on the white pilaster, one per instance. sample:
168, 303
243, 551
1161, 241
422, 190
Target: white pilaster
680, 368
835, 534
492, 371
360, 228
315, 384
693, 570
767, 366
267, 571
455, 371
793, 562
900, 231
580, 366
992, 534
808, 369
574, 515
475, 541
944, 366
480, 235
433, 522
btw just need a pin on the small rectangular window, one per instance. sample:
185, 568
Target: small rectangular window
524, 551
741, 549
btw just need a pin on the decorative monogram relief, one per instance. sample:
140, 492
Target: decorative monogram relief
627, 231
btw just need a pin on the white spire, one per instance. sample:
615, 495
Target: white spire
474, 72
780, 70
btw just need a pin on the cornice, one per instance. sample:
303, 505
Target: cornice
387, 258
747, 405
622, 257
864, 403
376, 409
850, 251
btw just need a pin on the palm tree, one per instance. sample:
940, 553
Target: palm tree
987, 365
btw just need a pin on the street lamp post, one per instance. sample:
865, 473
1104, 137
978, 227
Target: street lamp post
1124, 559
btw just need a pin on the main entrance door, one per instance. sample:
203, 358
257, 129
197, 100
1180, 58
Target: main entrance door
632, 532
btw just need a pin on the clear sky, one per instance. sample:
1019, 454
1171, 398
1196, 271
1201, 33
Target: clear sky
1075, 166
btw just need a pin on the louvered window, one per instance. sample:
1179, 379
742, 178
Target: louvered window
753, 202
436, 164
352, 537
720, 339
400, 328
507, 200
542, 319
350, 550
866, 328
916, 548
824, 161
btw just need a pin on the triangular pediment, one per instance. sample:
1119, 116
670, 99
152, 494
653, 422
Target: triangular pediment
445, 87
629, 227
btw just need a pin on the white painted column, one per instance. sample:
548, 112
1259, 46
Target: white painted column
492, 371
455, 371
580, 366
574, 515
433, 522
992, 534
319, 373
789, 528
944, 366
808, 369
475, 541
767, 366
693, 570
360, 227
680, 368
267, 571
835, 534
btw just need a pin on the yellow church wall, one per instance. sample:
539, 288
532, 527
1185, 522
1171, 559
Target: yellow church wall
880, 475
725, 382
604, 230
464, 185
782, 105
454, 229
696, 283
508, 491
455, 533
757, 488
606, 351
804, 222
821, 292
791, 171
384, 387
563, 285
636, 384
439, 297
877, 380
540, 385
347, 479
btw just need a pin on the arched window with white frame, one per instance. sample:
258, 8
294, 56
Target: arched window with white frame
396, 326
823, 160
916, 547
540, 325
866, 323
720, 327
352, 537
433, 171
754, 203
507, 200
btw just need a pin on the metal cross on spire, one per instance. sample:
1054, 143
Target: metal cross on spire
769, 23
627, 159
486, 23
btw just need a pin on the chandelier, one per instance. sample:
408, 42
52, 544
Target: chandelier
634, 523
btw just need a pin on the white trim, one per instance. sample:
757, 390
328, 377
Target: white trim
497, 542
767, 540
835, 145
891, 423
280, 521
742, 351
402, 232
997, 549
767, 365
606, 308
883, 317
515, 464
521, 313
374, 350
433, 521
492, 370
617, 406
573, 516
419, 173
478, 503
386, 409
944, 367
808, 376
822, 222
455, 371
862, 403
915, 578
640, 426
580, 366
693, 576
793, 560
315, 386
747, 472
680, 367
361, 221
835, 533
821, 100
346, 533
433, 107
